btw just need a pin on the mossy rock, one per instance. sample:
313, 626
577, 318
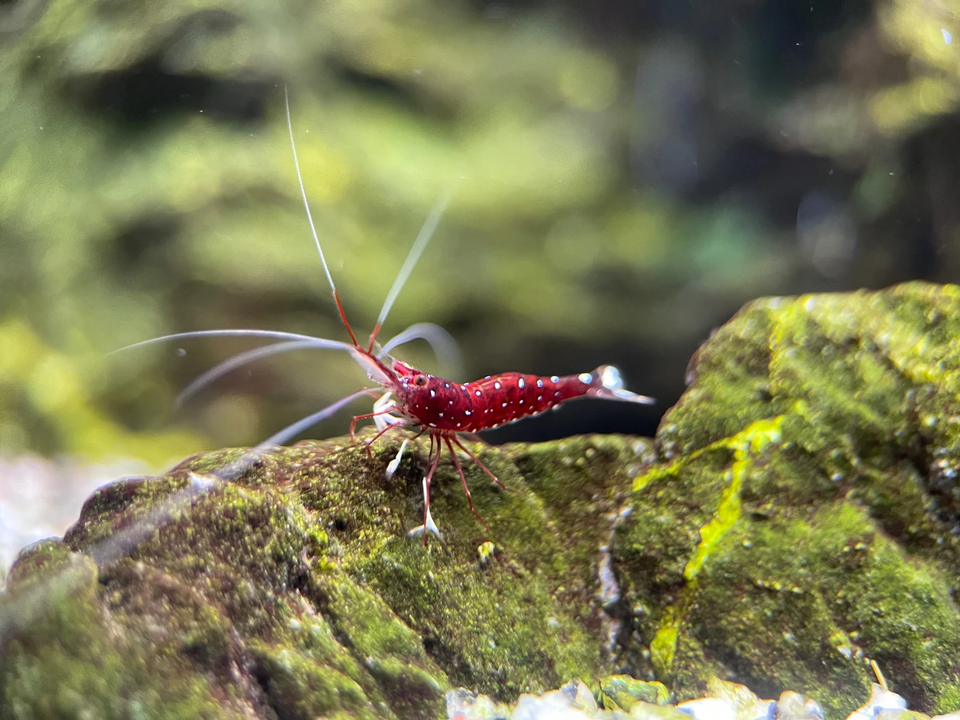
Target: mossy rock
799, 520
293, 588
803, 518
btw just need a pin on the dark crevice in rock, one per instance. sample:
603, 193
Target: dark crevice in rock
267, 700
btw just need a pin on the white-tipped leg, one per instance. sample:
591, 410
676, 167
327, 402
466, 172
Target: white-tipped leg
395, 463
428, 524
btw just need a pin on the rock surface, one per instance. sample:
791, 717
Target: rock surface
294, 586
803, 517
797, 519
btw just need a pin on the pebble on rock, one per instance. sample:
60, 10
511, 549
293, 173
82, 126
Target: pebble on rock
709, 709
880, 700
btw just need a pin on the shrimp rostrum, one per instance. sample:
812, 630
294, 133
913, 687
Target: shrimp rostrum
413, 400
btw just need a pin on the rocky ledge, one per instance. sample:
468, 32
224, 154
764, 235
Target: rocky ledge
796, 517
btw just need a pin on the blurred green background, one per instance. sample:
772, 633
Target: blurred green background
635, 171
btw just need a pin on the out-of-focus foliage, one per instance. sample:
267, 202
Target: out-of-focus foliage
632, 174
44, 388
924, 31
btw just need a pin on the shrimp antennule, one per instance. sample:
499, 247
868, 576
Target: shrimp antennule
444, 346
423, 237
239, 332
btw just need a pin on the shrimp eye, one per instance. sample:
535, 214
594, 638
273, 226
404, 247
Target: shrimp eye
420, 381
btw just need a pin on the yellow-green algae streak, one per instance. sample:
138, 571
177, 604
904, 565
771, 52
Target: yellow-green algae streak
745, 445
798, 518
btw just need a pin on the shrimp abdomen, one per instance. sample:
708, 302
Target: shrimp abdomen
503, 398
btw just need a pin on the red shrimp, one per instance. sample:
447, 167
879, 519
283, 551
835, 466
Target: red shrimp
443, 408
413, 399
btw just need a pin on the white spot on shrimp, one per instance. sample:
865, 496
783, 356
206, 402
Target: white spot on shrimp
441, 414
557, 394
520, 383
521, 402
539, 398
458, 424
433, 393
585, 378
539, 383
496, 385
450, 403
554, 378
504, 405
467, 413
447, 385
478, 393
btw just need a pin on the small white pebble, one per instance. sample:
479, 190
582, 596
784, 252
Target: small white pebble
708, 709
879, 701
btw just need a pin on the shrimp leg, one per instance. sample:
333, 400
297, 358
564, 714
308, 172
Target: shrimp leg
428, 523
483, 467
367, 416
463, 480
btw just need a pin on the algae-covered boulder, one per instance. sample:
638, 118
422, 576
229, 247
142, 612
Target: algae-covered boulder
797, 520
803, 518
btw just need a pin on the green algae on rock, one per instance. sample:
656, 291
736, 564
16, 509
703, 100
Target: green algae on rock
622, 692
294, 587
803, 518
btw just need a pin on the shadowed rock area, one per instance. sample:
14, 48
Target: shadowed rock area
796, 518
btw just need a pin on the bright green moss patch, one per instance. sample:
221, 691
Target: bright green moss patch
622, 692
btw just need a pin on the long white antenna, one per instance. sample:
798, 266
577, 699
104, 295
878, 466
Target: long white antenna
239, 360
272, 334
300, 425
303, 191
442, 342
313, 229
